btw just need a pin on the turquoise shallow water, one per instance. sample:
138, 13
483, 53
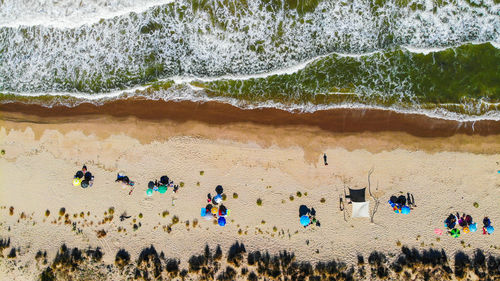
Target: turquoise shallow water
411, 55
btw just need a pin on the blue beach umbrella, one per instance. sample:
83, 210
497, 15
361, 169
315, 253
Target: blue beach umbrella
305, 220
217, 198
473, 227
490, 229
405, 210
222, 221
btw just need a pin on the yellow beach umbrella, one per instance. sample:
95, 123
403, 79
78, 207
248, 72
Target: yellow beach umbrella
214, 210
77, 181
466, 229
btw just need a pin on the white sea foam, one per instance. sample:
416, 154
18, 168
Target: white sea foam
68, 13
249, 41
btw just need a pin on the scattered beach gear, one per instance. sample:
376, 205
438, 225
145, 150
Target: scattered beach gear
455, 233
221, 221
77, 181
438, 231
203, 212
305, 220
401, 204
149, 192
473, 227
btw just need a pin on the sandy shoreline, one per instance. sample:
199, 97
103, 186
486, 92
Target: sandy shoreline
271, 162
334, 120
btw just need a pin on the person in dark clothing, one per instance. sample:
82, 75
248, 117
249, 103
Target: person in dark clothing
222, 210
450, 221
124, 179
88, 179
468, 219
325, 159
164, 180
219, 189
486, 222
79, 174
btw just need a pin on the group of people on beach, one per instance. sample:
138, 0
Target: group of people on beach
161, 186
213, 210
401, 204
83, 178
466, 223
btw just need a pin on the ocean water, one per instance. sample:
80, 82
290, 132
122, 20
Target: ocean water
439, 58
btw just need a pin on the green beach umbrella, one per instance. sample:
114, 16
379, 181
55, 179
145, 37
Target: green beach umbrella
162, 189
455, 233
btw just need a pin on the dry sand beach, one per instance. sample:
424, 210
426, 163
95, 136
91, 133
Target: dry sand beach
280, 164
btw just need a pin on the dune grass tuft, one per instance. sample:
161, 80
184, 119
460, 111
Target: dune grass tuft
259, 202
175, 219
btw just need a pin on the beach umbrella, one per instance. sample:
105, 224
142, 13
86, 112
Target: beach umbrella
162, 189
490, 229
221, 221
218, 198
455, 233
466, 229
473, 227
214, 210
438, 231
149, 192
77, 181
405, 210
305, 220
84, 184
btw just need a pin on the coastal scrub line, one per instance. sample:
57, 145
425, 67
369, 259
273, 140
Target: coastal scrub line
429, 264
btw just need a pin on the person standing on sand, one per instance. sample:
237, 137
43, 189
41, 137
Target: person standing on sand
325, 159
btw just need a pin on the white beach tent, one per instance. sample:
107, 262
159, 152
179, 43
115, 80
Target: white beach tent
360, 210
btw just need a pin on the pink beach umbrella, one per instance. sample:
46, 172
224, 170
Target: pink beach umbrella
438, 231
